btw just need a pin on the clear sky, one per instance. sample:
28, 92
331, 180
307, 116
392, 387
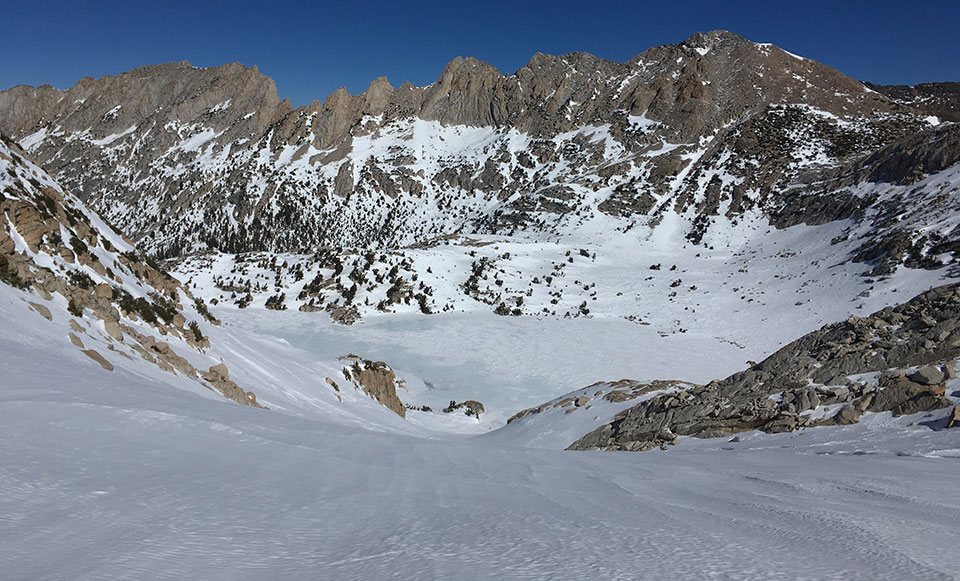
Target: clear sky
311, 48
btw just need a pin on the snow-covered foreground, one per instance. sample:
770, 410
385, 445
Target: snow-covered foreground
138, 474
103, 479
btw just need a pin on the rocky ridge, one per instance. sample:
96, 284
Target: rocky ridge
897, 359
713, 129
870, 232
66, 260
940, 99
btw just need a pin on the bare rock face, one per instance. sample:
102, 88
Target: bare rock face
954, 420
95, 355
940, 99
377, 380
113, 329
220, 370
44, 311
913, 346
104, 291
155, 93
928, 375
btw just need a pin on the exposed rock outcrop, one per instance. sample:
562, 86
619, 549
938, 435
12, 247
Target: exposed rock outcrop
894, 360
376, 379
100, 276
615, 392
470, 407
940, 99
219, 377
95, 355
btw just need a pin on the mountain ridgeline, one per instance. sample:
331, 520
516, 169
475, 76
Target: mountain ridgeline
713, 130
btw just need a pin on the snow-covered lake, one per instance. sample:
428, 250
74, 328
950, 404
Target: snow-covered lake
506, 363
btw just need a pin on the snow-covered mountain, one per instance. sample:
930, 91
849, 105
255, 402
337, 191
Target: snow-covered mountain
884, 236
716, 130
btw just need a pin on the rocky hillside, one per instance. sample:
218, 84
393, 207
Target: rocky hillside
940, 99
715, 130
66, 270
865, 237
898, 360
114, 303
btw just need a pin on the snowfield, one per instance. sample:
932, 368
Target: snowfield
700, 315
139, 473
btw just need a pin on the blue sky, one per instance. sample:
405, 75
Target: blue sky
311, 48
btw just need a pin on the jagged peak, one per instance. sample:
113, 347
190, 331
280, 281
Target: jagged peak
380, 83
704, 39
680, 97
541, 60
337, 98
161, 70
460, 65
162, 67
32, 89
232, 68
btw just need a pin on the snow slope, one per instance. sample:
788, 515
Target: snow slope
129, 470
143, 473
140, 472
122, 475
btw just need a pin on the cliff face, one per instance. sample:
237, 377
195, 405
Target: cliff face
188, 159
150, 95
